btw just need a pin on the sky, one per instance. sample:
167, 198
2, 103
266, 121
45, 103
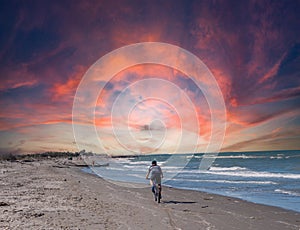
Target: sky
54, 95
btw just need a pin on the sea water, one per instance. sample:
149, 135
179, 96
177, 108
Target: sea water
269, 177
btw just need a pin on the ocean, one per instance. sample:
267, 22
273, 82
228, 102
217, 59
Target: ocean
267, 177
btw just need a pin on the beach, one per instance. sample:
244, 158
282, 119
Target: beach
49, 194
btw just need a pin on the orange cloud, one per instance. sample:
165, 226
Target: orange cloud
103, 121
246, 50
65, 91
272, 71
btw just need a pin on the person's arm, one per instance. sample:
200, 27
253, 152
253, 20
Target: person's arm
147, 176
161, 173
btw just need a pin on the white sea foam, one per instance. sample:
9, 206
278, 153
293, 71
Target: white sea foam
240, 157
276, 157
226, 171
112, 168
234, 168
135, 166
248, 173
287, 192
226, 181
177, 169
120, 160
139, 162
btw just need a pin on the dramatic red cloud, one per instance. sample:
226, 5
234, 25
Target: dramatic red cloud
103, 121
65, 91
273, 71
251, 48
127, 79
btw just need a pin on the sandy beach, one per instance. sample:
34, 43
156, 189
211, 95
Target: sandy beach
46, 194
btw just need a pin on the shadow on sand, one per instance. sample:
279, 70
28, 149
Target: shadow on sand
178, 202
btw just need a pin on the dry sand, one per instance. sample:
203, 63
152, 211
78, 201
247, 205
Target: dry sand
40, 195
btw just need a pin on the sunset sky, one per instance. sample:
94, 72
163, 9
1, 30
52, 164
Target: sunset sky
50, 49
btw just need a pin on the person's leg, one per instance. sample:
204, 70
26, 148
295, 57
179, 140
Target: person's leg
159, 189
153, 189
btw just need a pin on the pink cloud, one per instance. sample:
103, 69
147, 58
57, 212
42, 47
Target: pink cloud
244, 48
65, 91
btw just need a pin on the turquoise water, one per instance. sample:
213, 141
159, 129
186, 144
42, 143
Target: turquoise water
271, 178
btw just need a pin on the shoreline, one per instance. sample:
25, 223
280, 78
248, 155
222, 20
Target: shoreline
238, 198
38, 194
142, 185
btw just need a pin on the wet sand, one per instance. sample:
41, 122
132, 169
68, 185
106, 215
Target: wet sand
47, 194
